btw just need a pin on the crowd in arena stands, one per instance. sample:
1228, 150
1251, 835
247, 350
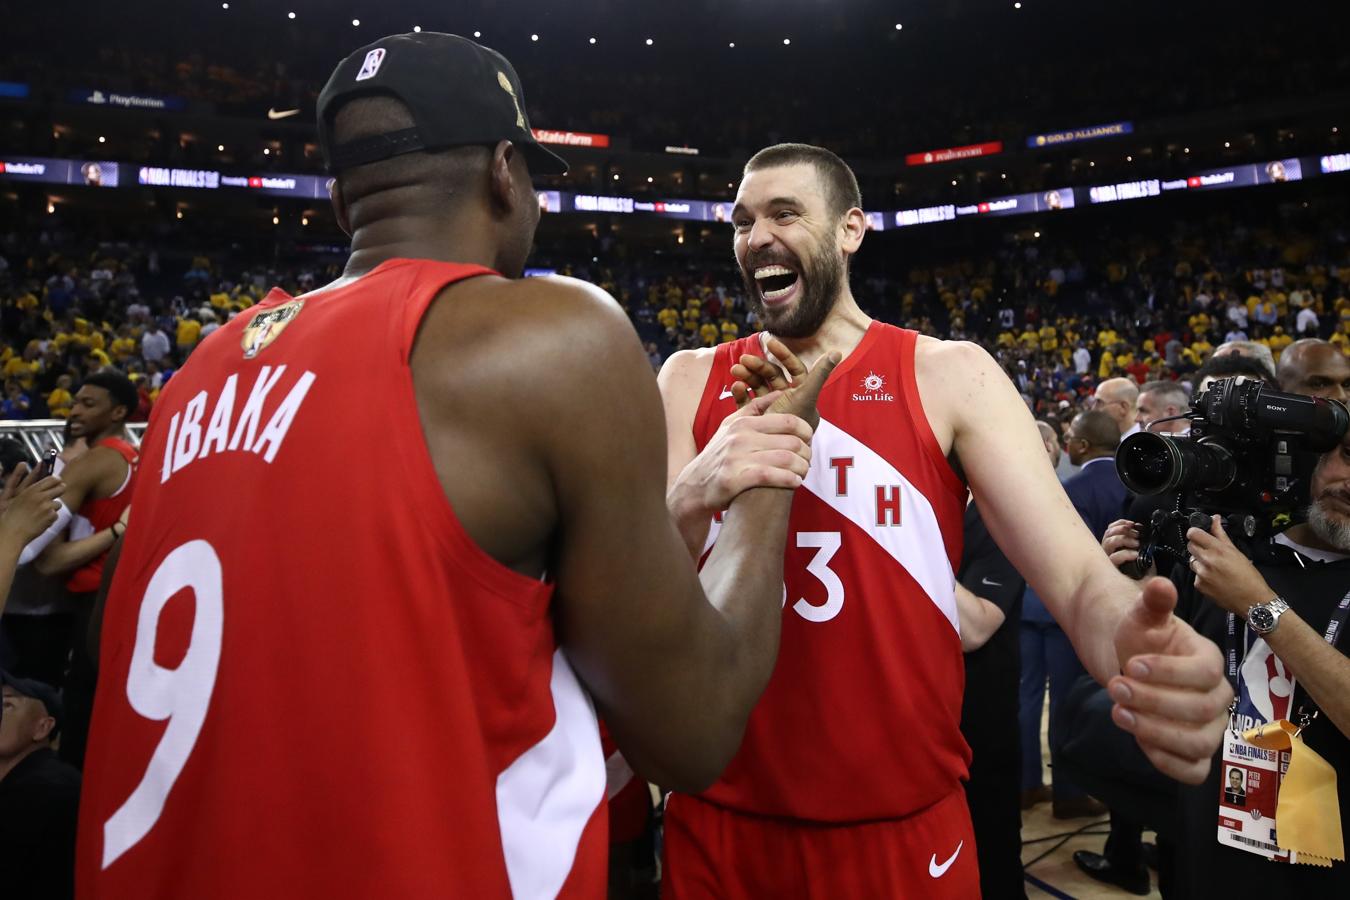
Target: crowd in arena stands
1060, 319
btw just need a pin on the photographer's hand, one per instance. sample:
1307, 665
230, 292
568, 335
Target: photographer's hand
1172, 695
1121, 543
1223, 573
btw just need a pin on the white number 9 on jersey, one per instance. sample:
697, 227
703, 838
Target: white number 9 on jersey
179, 695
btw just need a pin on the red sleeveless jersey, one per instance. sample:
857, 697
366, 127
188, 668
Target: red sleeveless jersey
861, 718
313, 684
95, 515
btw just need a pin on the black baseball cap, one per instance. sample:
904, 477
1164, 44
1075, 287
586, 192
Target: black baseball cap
41, 692
459, 93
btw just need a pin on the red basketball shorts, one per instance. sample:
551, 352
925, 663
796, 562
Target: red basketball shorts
712, 852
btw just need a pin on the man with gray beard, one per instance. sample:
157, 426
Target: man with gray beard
1281, 620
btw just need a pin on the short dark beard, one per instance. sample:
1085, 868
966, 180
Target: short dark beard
822, 277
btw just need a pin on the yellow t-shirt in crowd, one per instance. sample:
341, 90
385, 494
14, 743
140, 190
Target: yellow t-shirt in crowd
189, 330
59, 403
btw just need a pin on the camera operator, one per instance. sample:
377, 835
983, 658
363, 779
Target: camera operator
1277, 617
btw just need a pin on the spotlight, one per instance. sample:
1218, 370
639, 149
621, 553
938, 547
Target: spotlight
267, 151
534, 37
1226, 145
649, 179
1187, 149
478, 34
787, 41
178, 215
953, 182
1004, 176
1129, 159
220, 148
102, 139
1092, 164
649, 42
356, 23
290, 15
616, 176
51, 207
276, 220
592, 40
304, 220
224, 6
417, 29
898, 26
1035, 234
732, 45
1017, 6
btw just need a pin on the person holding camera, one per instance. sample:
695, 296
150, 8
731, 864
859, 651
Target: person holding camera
1280, 618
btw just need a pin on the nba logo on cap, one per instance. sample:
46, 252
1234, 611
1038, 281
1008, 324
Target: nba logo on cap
371, 65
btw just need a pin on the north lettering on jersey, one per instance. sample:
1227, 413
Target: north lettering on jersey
841, 465
187, 442
888, 504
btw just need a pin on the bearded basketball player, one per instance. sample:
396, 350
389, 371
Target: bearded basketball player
848, 781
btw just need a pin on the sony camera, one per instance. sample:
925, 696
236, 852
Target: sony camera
1249, 457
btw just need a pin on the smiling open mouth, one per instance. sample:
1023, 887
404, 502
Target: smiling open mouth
775, 281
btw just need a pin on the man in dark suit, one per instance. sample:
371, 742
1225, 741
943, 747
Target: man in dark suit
1099, 496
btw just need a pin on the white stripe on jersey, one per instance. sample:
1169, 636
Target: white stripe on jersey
547, 796
916, 544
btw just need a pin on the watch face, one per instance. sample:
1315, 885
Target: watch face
1261, 618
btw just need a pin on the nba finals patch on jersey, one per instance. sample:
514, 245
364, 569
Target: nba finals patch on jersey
267, 326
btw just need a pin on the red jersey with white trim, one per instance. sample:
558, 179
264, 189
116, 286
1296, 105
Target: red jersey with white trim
94, 515
313, 683
861, 718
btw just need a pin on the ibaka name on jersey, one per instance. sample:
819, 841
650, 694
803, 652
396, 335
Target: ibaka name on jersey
227, 430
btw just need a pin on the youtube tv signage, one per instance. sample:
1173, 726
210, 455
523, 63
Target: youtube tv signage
570, 138
970, 151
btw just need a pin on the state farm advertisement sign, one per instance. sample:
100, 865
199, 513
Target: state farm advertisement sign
570, 138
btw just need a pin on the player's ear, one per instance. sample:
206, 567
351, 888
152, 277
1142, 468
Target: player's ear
851, 231
501, 177
339, 207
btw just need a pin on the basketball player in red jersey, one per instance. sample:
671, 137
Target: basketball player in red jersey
320, 679
99, 485
847, 783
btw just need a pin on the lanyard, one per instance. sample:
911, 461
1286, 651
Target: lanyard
1331, 635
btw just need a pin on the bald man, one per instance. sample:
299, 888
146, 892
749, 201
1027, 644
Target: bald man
1119, 399
1051, 439
1316, 368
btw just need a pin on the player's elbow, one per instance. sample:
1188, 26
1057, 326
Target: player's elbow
47, 565
691, 769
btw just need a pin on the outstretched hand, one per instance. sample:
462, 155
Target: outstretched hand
1172, 694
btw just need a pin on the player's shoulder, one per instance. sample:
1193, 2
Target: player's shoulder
953, 358
685, 364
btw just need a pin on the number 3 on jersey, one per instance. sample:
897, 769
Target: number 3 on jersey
827, 545
180, 696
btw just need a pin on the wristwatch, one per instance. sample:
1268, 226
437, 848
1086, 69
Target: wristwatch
1263, 617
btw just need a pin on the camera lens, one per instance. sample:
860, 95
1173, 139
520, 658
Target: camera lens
1152, 464
1149, 464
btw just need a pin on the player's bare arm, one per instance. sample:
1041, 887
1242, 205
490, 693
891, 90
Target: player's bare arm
96, 473
1167, 681
747, 450
674, 675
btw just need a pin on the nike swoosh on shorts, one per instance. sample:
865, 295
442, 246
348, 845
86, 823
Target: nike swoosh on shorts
937, 871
